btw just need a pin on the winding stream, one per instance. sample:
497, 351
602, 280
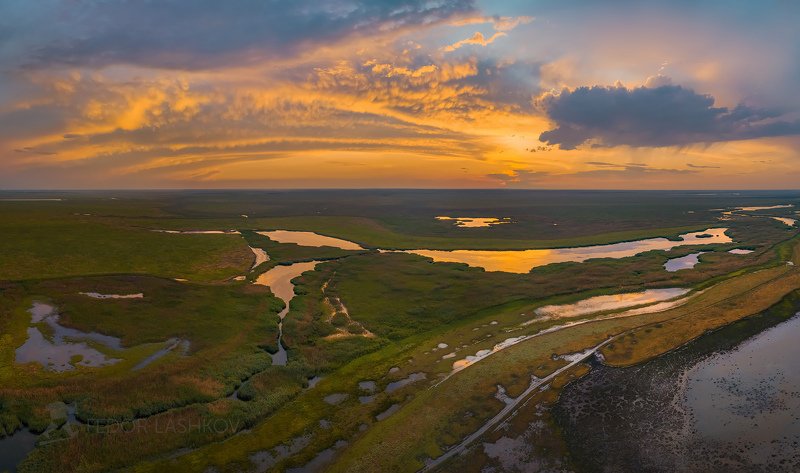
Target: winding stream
279, 281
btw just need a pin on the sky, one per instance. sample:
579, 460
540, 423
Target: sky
532, 94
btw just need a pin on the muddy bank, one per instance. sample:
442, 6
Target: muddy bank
729, 401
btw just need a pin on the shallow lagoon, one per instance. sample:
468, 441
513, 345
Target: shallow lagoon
610, 302
684, 262
309, 239
522, 261
790, 222
729, 401
67, 348
750, 395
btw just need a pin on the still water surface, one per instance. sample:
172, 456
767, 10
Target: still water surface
729, 401
309, 239
279, 281
522, 261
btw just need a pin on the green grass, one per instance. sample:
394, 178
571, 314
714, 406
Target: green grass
71, 248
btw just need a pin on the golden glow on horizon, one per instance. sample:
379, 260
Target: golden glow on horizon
425, 106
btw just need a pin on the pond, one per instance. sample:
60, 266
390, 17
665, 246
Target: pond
790, 222
261, 257
684, 262
475, 222
309, 239
610, 302
97, 295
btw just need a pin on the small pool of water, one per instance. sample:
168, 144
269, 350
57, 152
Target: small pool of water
740, 251
67, 348
475, 222
309, 239
771, 207
321, 460
684, 262
367, 386
790, 222
610, 302
199, 232
388, 412
261, 257
412, 378
336, 398
97, 295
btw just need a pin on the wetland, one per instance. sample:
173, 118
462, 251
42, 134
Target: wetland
326, 328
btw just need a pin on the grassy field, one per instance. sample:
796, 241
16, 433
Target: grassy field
221, 403
406, 219
54, 242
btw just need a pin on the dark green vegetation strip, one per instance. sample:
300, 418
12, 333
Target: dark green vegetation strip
42, 243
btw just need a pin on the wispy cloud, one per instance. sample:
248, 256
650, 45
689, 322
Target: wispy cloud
201, 34
698, 166
477, 39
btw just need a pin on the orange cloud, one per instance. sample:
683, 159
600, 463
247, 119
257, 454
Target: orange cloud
476, 38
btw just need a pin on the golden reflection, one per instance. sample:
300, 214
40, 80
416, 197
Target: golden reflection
522, 261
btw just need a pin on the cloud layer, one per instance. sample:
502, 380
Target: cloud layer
202, 33
204, 93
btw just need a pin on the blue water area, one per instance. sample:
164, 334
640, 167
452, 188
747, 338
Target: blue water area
14, 449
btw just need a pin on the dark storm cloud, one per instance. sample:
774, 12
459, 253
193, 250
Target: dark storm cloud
200, 33
662, 116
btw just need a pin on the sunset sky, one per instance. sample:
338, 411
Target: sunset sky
402, 93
